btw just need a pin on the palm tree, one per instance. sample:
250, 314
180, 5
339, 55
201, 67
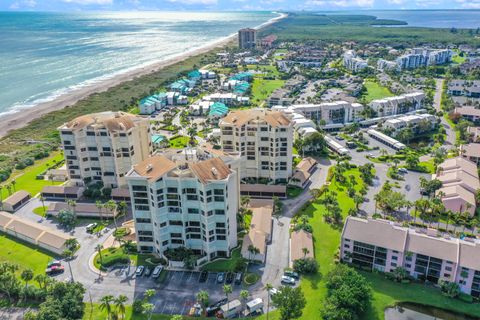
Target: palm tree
111, 206
105, 304
42, 199
120, 305
244, 296
9, 189
203, 298
68, 254
305, 252
26, 276
227, 289
13, 183
122, 208
72, 204
99, 249
268, 287
1, 197
100, 206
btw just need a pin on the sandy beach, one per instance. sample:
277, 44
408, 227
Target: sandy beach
23, 117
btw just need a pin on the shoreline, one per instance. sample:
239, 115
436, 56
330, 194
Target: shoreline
19, 119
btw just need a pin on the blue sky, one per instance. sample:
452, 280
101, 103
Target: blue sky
75, 5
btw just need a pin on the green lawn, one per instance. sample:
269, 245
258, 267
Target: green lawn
457, 58
26, 179
41, 211
112, 256
262, 89
376, 91
97, 313
179, 142
23, 254
225, 264
293, 192
385, 292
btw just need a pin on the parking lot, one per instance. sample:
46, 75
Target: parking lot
176, 293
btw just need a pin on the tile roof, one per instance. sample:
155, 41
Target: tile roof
211, 169
241, 117
153, 167
112, 121
298, 240
17, 197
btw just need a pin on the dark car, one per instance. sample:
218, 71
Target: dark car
221, 277
203, 276
230, 277
219, 303
54, 270
212, 311
238, 278
292, 274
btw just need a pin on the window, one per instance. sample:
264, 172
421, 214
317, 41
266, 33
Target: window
143, 220
219, 212
163, 224
346, 246
193, 210
394, 258
220, 225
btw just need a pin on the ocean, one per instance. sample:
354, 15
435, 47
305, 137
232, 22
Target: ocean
44, 55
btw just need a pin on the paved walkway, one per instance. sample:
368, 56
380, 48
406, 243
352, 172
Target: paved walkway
437, 102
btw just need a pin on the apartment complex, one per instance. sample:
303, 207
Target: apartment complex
460, 183
471, 151
420, 57
104, 146
467, 88
247, 38
398, 105
263, 139
469, 113
419, 123
383, 245
185, 199
352, 62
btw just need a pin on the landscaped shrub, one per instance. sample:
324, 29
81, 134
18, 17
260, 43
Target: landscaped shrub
304, 266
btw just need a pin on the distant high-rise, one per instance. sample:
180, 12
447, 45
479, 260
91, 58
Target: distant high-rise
247, 38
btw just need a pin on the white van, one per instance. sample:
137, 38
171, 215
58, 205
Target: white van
254, 306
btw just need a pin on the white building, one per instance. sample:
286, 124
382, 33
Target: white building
413, 121
104, 146
263, 138
420, 57
398, 105
386, 65
352, 62
185, 199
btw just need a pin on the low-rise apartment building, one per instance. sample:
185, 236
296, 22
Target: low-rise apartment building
474, 134
104, 146
398, 105
426, 255
352, 62
469, 113
471, 151
467, 88
419, 123
263, 138
460, 183
185, 199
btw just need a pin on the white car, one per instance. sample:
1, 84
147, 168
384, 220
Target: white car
273, 291
157, 271
288, 280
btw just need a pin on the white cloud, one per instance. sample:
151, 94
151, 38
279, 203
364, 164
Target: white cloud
89, 2
23, 4
396, 1
340, 3
469, 4
192, 2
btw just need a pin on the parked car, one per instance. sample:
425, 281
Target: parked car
219, 303
156, 272
402, 170
273, 291
54, 270
203, 276
221, 277
139, 271
229, 278
91, 227
238, 278
288, 280
54, 263
147, 272
291, 274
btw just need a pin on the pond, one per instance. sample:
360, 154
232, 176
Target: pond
413, 311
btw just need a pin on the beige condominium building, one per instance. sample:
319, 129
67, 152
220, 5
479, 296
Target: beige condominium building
104, 146
185, 198
263, 138
247, 38
425, 254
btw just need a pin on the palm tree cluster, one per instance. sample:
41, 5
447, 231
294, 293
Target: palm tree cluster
114, 307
